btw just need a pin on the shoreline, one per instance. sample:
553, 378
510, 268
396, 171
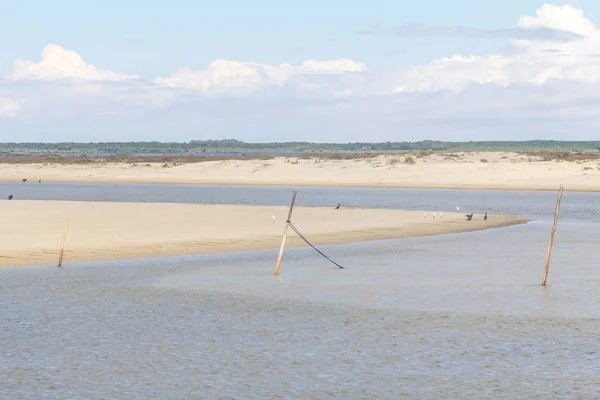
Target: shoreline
333, 185
464, 171
103, 231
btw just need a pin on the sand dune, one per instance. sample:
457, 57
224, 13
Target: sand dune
32, 230
491, 170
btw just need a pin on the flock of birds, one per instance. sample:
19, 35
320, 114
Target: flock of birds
441, 215
434, 214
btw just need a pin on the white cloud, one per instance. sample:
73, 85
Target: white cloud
566, 18
532, 62
59, 63
234, 77
541, 88
9, 107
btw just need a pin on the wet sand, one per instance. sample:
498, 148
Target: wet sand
32, 230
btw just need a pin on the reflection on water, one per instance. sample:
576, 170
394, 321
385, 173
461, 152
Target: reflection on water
533, 205
455, 316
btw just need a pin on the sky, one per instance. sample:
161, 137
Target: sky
262, 71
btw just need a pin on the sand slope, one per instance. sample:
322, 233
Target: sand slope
467, 170
31, 231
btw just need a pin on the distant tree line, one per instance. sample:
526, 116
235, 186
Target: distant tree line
237, 146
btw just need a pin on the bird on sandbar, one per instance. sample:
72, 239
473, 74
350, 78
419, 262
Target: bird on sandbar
337, 207
485, 216
10, 196
469, 216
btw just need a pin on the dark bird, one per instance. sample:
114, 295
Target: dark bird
40, 181
485, 217
469, 216
337, 207
10, 196
24, 180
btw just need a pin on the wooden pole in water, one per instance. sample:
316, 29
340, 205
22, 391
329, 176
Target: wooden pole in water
62, 250
287, 225
560, 192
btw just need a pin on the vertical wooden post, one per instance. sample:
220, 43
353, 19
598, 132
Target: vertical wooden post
62, 250
560, 192
287, 225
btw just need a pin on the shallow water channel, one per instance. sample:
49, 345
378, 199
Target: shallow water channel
452, 316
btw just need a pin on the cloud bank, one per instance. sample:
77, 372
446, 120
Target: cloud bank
233, 77
545, 87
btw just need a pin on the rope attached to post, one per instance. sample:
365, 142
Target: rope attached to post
310, 244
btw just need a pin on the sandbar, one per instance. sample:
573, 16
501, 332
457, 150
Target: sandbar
32, 230
484, 170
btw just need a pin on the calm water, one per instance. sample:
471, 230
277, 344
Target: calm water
533, 205
454, 316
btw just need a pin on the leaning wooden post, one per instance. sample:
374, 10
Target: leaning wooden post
62, 250
287, 225
560, 192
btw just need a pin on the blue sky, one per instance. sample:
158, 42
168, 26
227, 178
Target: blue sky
155, 37
149, 43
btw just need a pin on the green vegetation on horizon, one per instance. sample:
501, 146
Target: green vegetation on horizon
236, 146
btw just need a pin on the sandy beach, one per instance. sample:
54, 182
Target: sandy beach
490, 170
109, 231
